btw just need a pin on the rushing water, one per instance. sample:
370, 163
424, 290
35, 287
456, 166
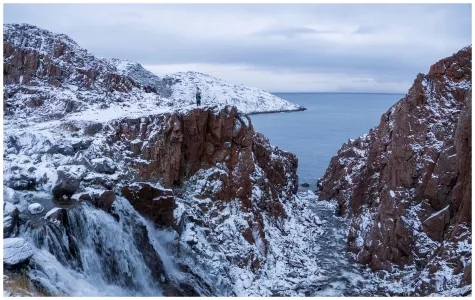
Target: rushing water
87, 252
316, 134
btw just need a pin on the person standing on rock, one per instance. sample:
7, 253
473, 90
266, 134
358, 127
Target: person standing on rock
198, 96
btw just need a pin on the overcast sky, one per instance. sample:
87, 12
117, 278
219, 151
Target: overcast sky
279, 48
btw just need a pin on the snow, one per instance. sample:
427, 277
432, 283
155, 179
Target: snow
9, 195
438, 212
214, 91
16, 251
35, 208
51, 212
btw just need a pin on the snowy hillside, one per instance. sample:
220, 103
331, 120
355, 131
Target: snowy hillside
49, 75
214, 90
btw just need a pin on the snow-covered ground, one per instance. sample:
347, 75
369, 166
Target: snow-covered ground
216, 91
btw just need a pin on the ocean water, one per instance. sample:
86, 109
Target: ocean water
315, 135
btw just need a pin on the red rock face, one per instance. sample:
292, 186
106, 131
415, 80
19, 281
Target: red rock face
24, 65
173, 148
39, 62
412, 173
154, 203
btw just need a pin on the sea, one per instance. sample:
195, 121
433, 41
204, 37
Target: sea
316, 134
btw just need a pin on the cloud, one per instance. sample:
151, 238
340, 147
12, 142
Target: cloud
388, 44
368, 29
291, 32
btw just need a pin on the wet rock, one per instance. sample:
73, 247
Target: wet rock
35, 208
104, 200
16, 252
305, 185
153, 202
150, 256
81, 197
55, 214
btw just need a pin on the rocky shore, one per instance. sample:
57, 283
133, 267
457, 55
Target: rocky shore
405, 187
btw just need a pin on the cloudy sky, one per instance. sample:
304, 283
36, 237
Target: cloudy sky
279, 48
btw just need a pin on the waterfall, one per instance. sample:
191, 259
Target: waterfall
84, 251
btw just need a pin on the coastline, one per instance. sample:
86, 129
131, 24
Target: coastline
277, 111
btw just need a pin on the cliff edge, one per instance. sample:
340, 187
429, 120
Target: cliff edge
406, 185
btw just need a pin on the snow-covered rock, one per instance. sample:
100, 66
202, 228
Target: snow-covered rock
10, 219
217, 91
52, 212
16, 251
103, 165
9, 195
406, 185
68, 180
35, 208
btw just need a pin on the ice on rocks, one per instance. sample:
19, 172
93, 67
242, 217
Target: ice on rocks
16, 251
51, 212
35, 208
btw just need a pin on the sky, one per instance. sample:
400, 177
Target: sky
275, 47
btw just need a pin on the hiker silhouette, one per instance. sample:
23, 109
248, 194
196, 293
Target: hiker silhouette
198, 96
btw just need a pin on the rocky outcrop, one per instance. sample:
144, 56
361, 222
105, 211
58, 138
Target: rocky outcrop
49, 76
155, 203
406, 186
33, 54
174, 147
208, 160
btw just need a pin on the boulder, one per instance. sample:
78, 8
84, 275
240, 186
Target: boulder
104, 200
35, 208
56, 215
20, 182
81, 197
16, 252
64, 149
68, 180
52, 213
92, 128
155, 203
103, 165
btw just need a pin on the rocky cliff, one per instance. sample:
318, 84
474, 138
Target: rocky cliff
406, 185
108, 190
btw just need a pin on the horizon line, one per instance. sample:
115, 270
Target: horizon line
388, 93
